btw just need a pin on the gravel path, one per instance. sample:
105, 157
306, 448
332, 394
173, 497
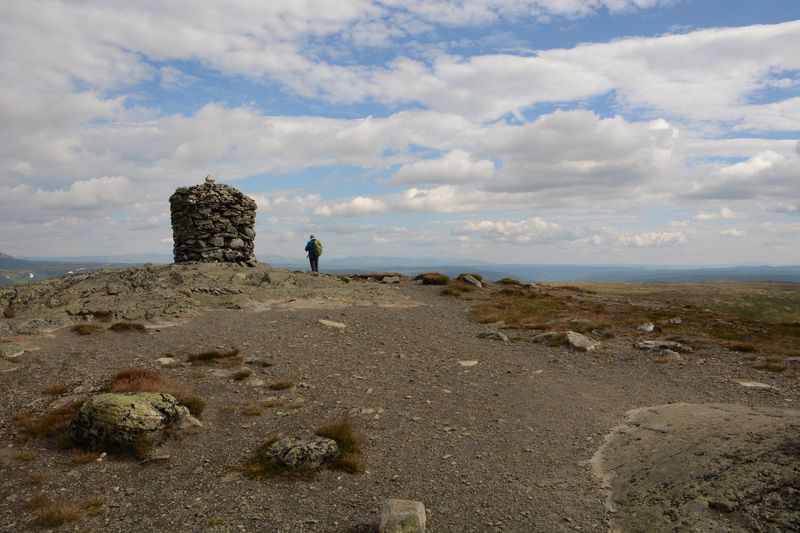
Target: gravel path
503, 445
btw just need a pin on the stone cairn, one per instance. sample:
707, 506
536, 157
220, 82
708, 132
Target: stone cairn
212, 223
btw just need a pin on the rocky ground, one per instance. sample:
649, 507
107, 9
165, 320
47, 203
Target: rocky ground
490, 435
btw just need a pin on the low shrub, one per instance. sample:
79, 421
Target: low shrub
122, 327
226, 357
433, 278
87, 328
351, 447
146, 380
281, 385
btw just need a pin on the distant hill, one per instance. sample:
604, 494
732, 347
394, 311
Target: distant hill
19, 271
14, 271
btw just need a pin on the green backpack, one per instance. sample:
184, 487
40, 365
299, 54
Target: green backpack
317, 247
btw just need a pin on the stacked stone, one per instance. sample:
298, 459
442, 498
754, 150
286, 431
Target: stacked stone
212, 223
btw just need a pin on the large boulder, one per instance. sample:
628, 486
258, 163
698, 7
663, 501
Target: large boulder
121, 420
303, 453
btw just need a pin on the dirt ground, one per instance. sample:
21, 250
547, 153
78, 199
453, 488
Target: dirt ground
503, 445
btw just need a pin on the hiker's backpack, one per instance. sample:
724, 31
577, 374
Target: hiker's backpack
317, 247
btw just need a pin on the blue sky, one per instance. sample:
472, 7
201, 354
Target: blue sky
557, 131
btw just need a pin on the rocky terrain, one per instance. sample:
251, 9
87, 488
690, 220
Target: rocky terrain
491, 425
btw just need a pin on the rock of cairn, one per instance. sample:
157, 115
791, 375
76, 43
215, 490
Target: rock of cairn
212, 223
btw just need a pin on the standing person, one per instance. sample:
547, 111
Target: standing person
314, 249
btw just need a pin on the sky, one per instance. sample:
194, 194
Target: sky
515, 131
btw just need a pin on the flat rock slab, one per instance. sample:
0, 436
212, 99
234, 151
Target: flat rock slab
703, 467
663, 345
331, 324
402, 516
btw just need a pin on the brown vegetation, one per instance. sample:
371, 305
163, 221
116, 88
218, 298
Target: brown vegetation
56, 389
48, 513
351, 447
49, 424
242, 374
146, 380
281, 385
84, 457
225, 357
122, 327
433, 278
87, 328
9, 312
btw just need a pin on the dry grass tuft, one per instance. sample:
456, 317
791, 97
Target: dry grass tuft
242, 374
215, 521
253, 409
56, 389
49, 513
87, 329
745, 347
84, 457
433, 278
146, 380
9, 312
262, 363
226, 357
48, 424
35, 478
26, 456
351, 447
509, 281
123, 327
281, 385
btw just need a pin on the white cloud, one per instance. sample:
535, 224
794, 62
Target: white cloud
652, 239
457, 166
725, 213
529, 231
89, 198
733, 232
357, 207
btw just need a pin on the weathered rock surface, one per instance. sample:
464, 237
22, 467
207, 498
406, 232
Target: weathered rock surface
647, 327
473, 281
703, 467
493, 335
212, 222
581, 342
571, 338
120, 420
403, 516
663, 345
303, 453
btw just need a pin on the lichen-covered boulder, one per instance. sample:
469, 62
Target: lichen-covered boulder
120, 420
303, 453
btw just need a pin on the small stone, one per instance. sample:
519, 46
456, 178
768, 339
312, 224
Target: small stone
647, 327
493, 335
169, 362
754, 385
331, 324
303, 453
675, 320
663, 345
470, 362
581, 342
471, 279
402, 516
391, 279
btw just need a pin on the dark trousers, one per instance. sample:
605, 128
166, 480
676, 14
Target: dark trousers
314, 263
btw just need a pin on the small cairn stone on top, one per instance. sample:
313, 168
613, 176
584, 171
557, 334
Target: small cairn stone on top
212, 223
